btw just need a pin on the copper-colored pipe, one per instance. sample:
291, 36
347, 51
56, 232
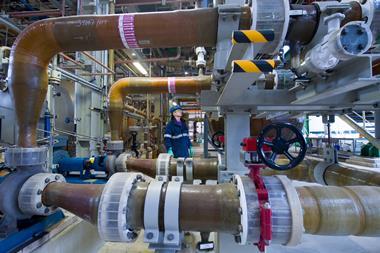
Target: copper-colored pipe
140, 85
25, 14
37, 44
203, 169
134, 110
98, 62
71, 60
81, 200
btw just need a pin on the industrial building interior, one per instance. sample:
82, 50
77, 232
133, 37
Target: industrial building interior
190, 126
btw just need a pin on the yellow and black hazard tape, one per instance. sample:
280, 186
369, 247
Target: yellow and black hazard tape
255, 66
252, 36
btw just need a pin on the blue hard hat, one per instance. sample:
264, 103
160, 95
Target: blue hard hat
175, 108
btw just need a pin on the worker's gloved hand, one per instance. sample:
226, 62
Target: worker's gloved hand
170, 152
191, 152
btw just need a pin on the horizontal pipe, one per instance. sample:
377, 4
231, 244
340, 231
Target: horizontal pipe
81, 200
151, 85
203, 169
327, 210
38, 43
331, 210
26, 14
127, 3
334, 174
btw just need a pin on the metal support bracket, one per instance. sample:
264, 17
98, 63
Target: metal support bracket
172, 234
151, 212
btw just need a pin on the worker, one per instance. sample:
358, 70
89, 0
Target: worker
177, 140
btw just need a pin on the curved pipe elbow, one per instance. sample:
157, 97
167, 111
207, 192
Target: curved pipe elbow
37, 44
151, 85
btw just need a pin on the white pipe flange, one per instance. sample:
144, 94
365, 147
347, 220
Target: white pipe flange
172, 234
249, 210
151, 212
30, 195
162, 164
189, 169
296, 211
112, 214
121, 162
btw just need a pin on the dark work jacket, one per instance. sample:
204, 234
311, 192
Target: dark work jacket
177, 138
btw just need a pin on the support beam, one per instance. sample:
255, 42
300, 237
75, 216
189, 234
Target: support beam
360, 130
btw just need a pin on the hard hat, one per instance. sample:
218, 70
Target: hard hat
175, 108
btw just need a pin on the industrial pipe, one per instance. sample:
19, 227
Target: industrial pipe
81, 200
327, 210
330, 210
336, 174
140, 85
37, 44
203, 169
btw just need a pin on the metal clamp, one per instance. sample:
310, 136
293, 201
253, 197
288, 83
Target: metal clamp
30, 195
171, 214
151, 212
162, 164
180, 166
112, 214
189, 169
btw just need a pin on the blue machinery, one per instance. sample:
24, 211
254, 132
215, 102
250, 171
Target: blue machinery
36, 230
84, 166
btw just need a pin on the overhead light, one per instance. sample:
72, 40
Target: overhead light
140, 68
133, 54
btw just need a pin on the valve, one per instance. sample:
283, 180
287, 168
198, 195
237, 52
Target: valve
280, 145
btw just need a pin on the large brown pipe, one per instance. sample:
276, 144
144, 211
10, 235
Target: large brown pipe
143, 85
335, 174
202, 208
37, 44
203, 169
327, 210
81, 200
